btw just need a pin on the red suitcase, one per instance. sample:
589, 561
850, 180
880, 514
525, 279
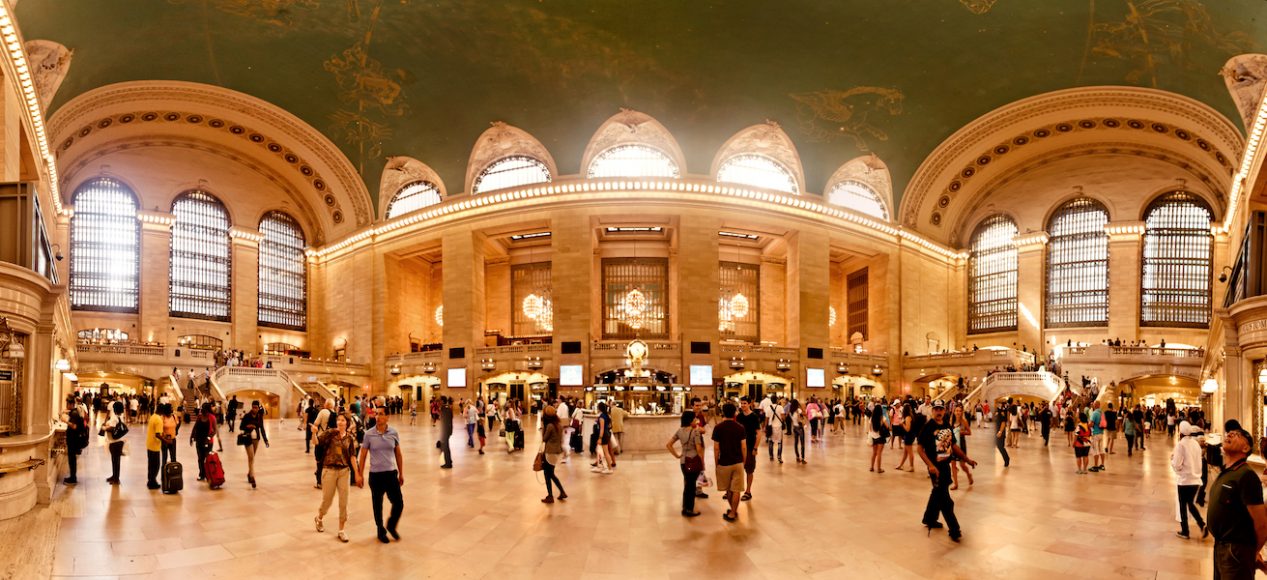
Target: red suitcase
214, 470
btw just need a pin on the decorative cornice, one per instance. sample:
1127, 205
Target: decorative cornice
257, 111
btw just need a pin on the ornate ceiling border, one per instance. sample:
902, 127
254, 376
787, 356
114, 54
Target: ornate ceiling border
1104, 108
278, 125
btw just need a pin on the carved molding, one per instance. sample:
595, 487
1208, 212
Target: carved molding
869, 170
400, 171
632, 127
1003, 127
503, 140
283, 132
767, 139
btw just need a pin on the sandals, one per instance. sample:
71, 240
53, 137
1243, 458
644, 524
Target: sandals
746, 496
320, 526
726, 516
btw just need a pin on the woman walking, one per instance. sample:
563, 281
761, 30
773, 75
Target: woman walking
171, 427
552, 448
691, 459
115, 430
902, 430
1070, 427
203, 438
336, 470
511, 423
605, 461
815, 413
961, 428
879, 436
797, 416
1082, 444
250, 433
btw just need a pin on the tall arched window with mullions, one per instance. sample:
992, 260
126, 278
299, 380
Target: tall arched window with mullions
105, 247
992, 276
283, 296
1178, 247
201, 263
1078, 265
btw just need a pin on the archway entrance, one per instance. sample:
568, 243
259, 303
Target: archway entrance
856, 386
527, 387
756, 385
271, 402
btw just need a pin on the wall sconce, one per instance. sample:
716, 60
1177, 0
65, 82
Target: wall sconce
429, 368
62, 365
488, 364
877, 371
395, 370
842, 369
736, 363
533, 363
1210, 386
783, 364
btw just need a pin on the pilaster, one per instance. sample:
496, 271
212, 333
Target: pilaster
1030, 276
246, 288
1125, 267
463, 301
153, 317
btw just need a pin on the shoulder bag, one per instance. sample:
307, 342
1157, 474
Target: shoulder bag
693, 463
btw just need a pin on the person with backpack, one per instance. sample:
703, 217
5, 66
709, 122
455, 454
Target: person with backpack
115, 429
76, 440
251, 432
1081, 445
202, 437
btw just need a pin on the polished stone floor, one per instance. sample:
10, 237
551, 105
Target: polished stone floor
830, 518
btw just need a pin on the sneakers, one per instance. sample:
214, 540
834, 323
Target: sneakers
320, 526
343, 536
1182, 535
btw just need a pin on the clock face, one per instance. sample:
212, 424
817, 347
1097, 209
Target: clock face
637, 350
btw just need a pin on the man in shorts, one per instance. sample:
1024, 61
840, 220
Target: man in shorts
729, 455
1097, 437
751, 421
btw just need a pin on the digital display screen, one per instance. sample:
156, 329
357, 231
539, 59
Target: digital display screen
457, 378
815, 378
571, 375
701, 375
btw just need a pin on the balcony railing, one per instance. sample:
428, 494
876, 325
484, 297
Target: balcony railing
1101, 350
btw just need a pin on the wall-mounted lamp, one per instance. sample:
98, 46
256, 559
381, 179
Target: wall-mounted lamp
488, 364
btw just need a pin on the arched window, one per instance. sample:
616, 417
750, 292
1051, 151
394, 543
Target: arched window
283, 292
757, 171
413, 197
105, 247
1078, 265
201, 263
992, 277
859, 197
632, 160
1178, 246
512, 171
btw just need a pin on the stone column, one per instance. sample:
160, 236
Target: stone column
1030, 279
573, 282
463, 303
698, 288
1125, 255
246, 288
808, 291
153, 319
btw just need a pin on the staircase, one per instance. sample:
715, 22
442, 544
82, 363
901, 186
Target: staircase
1042, 385
233, 379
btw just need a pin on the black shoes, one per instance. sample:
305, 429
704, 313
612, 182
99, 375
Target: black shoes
382, 537
153, 486
447, 466
933, 525
70, 481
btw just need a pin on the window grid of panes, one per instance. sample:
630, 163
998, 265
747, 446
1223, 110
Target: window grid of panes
512, 171
200, 262
283, 292
531, 306
757, 171
857, 294
1078, 265
632, 160
650, 277
859, 197
1178, 245
992, 277
413, 197
739, 307
105, 248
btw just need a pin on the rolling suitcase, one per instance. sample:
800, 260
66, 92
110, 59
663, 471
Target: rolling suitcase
214, 470
578, 442
519, 439
173, 477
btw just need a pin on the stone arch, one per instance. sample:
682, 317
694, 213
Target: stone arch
630, 127
401, 171
768, 140
870, 171
502, 140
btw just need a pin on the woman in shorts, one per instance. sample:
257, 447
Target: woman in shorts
1070, 426
1082, 445
879, 436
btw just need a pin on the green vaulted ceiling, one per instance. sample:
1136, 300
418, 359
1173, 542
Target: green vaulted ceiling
843, 77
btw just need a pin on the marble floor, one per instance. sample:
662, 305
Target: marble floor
830, 518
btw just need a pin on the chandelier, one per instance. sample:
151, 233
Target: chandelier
539, 309
440, 315
831, 316
634, 309
729, 310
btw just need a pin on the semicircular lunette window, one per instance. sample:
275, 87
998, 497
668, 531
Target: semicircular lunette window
513, 171
632, 160
859, 197
412, 198
757, 171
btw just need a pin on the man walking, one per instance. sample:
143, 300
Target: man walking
1097, 437
1044, 417
751, 421
1000, 433
937, 448
387, 473
618, 414
1186, 462
1236, 516
1110, 428
446, 430
310, 415
729, 456
234, 405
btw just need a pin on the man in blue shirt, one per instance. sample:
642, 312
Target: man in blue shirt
1097, 437
387, 474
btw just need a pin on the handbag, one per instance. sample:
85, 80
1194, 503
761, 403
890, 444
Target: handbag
694, 464
539, 461
243, 438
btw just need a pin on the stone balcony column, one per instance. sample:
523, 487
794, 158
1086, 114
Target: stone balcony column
156, 248
1125, 255
463, 275
246, 288
1030, 280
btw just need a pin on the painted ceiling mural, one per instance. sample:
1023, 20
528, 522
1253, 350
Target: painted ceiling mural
423, 78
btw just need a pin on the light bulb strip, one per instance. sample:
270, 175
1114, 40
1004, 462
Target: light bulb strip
1247, 164
15, 66
796, 203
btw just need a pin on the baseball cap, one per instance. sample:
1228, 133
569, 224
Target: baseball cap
939, 404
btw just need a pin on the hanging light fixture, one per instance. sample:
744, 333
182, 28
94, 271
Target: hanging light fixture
831, 316
440, 315
634, 309
532, 306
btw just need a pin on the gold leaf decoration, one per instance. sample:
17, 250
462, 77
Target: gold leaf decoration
978, 6
853, 113
1152, 34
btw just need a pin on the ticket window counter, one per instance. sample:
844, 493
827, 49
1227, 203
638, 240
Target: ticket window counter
779, 390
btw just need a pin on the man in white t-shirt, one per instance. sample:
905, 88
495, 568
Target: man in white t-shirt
565, 419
